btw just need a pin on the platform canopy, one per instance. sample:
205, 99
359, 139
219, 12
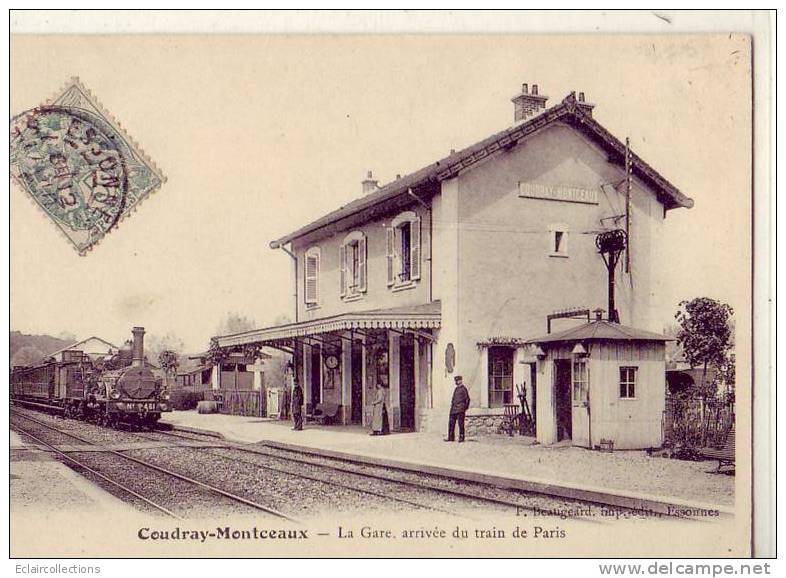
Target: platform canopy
425, 316
601, 330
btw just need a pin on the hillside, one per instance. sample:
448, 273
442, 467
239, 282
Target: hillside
28, 349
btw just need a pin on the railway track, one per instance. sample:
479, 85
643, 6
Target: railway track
302, 475
465, 491
398, 486
160, 471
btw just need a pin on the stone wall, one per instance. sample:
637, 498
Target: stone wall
482, 424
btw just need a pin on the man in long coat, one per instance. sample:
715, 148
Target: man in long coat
458, 407
297, 407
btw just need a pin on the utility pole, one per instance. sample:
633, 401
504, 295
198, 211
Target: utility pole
610, 245
627, 203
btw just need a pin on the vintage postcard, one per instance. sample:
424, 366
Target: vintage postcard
397, 295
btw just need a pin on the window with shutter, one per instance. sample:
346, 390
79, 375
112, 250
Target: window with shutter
342, 257
352, 254
362, 264
404, 250
391, 254
414, 250
311, 274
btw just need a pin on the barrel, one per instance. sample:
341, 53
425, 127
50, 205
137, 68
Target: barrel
207, 407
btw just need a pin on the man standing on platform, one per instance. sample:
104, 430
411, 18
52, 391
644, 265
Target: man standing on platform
297, 407
458, 407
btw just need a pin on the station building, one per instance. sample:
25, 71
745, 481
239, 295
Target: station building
453, 270
94, 347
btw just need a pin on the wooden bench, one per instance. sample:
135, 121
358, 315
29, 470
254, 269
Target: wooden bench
725, 454
325, 413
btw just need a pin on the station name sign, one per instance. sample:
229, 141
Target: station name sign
558, 193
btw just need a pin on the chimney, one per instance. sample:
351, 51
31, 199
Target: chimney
586, 107
370, 184
139, 346
528, 103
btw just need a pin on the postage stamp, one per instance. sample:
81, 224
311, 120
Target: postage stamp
79, 166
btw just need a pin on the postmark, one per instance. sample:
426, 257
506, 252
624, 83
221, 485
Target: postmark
79, 166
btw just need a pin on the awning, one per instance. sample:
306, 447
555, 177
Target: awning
425, 316
194, 370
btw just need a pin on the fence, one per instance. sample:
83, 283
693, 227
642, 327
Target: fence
696, 422
248, 402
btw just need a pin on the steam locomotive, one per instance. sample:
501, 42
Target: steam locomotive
110, 392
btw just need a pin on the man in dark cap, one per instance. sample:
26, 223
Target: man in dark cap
297, 406
458, 407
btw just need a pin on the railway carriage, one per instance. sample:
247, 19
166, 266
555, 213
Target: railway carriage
118, 390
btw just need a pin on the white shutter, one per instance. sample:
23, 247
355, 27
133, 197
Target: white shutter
342, 257
391, 254
311, 278
362, 264
316, 278
414, 250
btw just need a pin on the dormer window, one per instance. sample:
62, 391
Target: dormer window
352, 256
311, 261
403, 250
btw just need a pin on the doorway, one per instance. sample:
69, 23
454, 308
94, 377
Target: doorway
356, 401
407, 381
563, 406
316, 374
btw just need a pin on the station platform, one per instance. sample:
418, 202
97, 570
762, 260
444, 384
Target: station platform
631, 474
42, 486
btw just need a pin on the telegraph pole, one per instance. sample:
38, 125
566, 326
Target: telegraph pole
627, 203
610, 245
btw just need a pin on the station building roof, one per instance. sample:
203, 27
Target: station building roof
600, 330
569, 111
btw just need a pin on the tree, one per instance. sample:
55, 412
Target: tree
169, 362
705, 335
27, 355
67, 336
156, 345
728, 376
232, 323
235, 323
215, 354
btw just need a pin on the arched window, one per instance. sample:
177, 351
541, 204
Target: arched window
403, 249
311, 261
352, 256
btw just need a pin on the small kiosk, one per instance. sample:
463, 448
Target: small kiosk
607, 386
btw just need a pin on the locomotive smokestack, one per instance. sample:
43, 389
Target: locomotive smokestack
139, 346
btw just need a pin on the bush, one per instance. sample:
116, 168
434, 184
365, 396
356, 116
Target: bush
185, 400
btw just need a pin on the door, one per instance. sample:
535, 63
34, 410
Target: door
407, 382
357, 383
316, 374
563, 407
581, 410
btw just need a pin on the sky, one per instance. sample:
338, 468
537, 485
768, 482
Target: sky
259, 135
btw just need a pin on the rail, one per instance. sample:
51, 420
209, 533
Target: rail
161, 469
